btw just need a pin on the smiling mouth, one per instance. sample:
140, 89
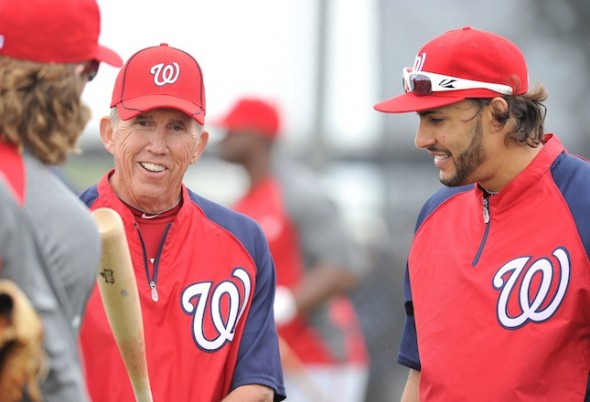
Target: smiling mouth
152, 167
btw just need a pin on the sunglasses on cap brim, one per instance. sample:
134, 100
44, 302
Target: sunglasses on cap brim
423, 83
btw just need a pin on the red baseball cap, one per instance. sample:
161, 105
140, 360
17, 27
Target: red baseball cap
50, 31
467, 54
160, 77
252, 115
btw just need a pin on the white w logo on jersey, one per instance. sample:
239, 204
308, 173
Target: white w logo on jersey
537, 304
225, 324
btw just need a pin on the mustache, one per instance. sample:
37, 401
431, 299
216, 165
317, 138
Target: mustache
435, 149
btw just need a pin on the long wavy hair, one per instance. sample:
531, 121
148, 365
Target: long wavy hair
41, 108
526, 113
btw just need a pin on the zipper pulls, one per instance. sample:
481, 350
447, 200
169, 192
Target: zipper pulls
154, 291
153, 261
486, 210
486, 220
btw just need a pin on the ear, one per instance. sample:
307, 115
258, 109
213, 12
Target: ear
498, 106
106, 133
201, 144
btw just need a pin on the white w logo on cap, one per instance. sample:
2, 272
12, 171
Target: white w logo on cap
165, 73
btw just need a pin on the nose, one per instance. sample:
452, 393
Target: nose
424, 137
158, 144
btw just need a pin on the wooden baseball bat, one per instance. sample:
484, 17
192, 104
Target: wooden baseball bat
120, 297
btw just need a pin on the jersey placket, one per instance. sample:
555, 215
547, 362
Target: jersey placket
153, 279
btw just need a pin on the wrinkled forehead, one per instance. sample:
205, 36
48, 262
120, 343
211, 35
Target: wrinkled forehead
163, 116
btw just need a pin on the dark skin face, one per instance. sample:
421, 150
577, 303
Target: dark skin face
252, 151
238, 147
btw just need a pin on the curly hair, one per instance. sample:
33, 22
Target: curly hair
525, 112
41, 108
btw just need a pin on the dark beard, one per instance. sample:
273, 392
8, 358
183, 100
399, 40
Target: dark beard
469, 160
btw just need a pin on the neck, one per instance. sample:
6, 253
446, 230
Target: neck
150, 214
513, 162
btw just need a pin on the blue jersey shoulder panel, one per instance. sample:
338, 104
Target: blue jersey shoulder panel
89, 195
438, 198
572, 176
246, 229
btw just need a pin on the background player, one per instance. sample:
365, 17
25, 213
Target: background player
317, 261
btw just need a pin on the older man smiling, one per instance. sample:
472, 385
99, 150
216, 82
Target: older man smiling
204, 273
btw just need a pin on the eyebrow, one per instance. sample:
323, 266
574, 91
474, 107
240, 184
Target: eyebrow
178, 116
425, 113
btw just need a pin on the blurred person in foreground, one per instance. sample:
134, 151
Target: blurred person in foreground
497, 287
23, 361
48, 52
204, 272
317, 262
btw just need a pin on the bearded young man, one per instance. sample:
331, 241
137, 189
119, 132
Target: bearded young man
496, 291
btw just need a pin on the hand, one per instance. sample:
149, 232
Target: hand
284, 306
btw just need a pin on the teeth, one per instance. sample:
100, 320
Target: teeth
152, 167
440, 157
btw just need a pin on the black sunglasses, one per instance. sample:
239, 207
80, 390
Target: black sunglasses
90, 69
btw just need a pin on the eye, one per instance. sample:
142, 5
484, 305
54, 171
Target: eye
142, 121
431, 118
177, 126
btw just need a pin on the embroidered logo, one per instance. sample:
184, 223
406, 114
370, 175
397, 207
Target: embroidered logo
217, 310
419, 62
165, 73
531, 292
447, 83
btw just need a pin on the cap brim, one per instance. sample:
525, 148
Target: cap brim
411, 102
133, 107
104, 54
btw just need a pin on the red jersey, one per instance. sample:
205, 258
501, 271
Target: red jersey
498, 295
211, 328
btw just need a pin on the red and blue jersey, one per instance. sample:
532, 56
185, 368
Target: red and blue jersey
211, 328
497, 288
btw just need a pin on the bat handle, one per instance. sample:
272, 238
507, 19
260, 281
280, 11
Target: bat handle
142, 392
